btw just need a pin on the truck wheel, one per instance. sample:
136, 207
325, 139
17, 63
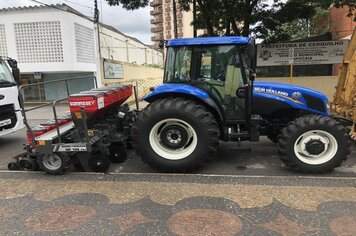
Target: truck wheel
54, 164
175, 135
314, 144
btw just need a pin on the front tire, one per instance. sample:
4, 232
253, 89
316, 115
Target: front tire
314, 144
175, 135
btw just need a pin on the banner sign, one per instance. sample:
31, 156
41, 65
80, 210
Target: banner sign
302, 53
113, 70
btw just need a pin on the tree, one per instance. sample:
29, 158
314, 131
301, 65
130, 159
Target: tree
303, 28
317, 24
250, 17
256, 17
129, 4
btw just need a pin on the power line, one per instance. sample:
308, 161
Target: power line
78, 4
55, 7
47, 5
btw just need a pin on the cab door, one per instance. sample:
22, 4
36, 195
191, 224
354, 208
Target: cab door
219, 69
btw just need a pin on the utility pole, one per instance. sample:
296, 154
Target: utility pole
99, 63
96, 11
175, 28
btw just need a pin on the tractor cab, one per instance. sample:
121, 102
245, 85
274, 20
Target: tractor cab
223, 67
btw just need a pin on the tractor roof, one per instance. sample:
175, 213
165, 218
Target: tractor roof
208, 41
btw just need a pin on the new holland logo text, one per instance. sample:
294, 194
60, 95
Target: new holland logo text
272, 91
82, 103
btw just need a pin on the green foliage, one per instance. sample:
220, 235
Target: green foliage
155, 66
129, 4
231, 17
302, 28
282, 21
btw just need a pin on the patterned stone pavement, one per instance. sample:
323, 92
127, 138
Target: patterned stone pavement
158, 204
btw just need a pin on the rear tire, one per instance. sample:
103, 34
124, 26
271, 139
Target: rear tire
314, 144
175, 135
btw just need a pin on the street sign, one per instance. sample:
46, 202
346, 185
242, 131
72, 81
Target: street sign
303, 53
37, 75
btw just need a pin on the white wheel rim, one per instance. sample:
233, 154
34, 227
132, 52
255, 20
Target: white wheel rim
173, 154
330, 147
52, 162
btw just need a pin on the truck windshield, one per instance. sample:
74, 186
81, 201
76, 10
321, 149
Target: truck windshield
6, 79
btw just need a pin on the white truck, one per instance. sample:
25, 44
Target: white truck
10, 112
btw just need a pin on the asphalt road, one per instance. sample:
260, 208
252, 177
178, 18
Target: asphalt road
262, 160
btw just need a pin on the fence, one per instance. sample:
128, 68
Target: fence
52, 90
143, 86
65, 88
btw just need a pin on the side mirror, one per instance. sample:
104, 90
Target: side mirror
162, 43
12, 63
15, 70
16, 75
252, 76
241, 92
252, 53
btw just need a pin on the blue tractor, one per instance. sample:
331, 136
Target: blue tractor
209, 95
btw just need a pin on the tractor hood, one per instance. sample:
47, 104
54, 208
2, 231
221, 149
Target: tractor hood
296, 96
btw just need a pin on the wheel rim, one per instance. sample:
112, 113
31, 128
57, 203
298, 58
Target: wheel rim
173, 139
315, 147
52, 162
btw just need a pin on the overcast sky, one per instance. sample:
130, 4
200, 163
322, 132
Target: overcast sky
134, 23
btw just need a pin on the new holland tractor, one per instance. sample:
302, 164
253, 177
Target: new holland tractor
209, 95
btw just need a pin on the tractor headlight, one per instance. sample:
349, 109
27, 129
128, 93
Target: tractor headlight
328, 107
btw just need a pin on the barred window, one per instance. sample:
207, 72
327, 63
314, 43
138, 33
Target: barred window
84, 43
39, 42
3, 46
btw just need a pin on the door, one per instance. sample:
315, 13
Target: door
219, 69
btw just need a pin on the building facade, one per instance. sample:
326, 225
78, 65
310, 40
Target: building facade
340, 25
163, 21
56, 42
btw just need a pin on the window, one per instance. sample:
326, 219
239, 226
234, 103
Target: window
39, 42
5, 76
3, 46
178, 67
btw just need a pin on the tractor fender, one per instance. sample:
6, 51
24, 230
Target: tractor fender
188, 92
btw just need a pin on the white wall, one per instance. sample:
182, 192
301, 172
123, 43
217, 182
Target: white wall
119, 47
67, 20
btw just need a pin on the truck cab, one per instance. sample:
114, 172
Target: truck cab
10, 111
